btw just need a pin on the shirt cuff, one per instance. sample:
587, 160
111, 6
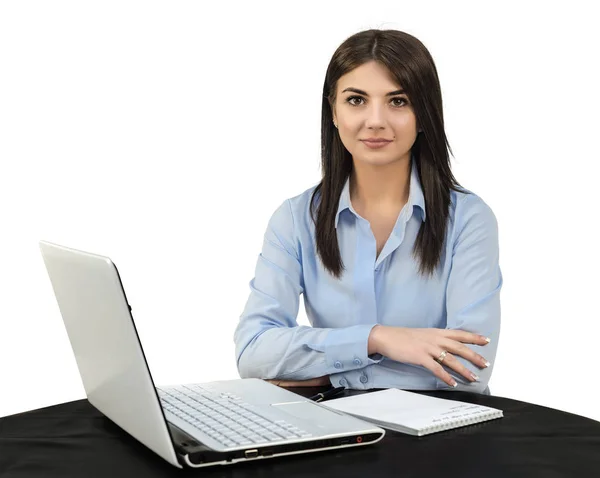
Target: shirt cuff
346, 348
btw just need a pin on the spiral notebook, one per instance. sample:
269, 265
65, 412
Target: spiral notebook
412, 413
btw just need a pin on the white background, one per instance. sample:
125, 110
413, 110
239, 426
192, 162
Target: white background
165, 134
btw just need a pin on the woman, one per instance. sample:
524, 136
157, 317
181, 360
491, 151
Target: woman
398, 264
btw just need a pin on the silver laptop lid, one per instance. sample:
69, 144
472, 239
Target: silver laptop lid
107, 349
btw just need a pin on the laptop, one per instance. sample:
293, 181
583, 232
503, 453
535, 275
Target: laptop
190, 425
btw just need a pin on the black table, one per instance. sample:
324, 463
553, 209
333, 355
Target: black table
75, 440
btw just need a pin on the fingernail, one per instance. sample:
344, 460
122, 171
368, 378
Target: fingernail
487, 364
474, 377
487, 339
454, 384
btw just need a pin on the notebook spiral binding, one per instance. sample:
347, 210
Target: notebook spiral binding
461, 422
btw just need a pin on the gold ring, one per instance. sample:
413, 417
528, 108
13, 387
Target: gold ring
442, 356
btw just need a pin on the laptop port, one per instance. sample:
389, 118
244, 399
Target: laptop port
251, 453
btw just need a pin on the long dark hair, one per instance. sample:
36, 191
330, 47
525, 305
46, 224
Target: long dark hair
412, 66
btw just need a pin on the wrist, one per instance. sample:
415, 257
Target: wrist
374, 342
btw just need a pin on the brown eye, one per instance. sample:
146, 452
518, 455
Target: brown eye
349, 100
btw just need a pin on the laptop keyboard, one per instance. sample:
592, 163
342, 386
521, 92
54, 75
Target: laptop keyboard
225, 417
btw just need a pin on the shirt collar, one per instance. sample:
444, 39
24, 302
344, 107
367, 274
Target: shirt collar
415, 197
344, 201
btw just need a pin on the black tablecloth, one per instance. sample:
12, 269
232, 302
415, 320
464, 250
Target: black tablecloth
75, 440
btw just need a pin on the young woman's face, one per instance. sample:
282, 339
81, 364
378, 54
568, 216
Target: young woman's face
374, 113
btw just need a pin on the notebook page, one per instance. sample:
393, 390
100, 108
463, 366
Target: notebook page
411, 410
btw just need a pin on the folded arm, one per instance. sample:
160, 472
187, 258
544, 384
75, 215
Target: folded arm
269, 342
473, 291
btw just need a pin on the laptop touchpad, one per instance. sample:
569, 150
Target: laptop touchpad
309, 411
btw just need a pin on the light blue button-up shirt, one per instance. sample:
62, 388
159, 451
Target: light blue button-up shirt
464, 294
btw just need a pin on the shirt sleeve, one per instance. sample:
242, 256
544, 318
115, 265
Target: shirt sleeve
473, 290
269, 343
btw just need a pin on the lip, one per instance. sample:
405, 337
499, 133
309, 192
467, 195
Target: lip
375, 144
377, 140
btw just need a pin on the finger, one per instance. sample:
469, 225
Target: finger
285, 383
314, 382
458, 349
467, 337
451, 362
439, 371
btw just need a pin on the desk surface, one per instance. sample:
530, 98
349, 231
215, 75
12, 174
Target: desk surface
75, 440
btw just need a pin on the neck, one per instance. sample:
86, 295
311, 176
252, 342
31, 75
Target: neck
380, 187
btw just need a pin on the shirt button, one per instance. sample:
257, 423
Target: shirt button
337, 364
343, 382
363, 379
357, 361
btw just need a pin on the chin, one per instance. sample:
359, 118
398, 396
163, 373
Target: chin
381, 161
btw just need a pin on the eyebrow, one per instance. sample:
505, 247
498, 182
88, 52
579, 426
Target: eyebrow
361, 92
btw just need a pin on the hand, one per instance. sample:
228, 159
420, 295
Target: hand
313, 382
423, 346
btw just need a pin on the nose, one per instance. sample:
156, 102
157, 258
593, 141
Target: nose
375, 116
